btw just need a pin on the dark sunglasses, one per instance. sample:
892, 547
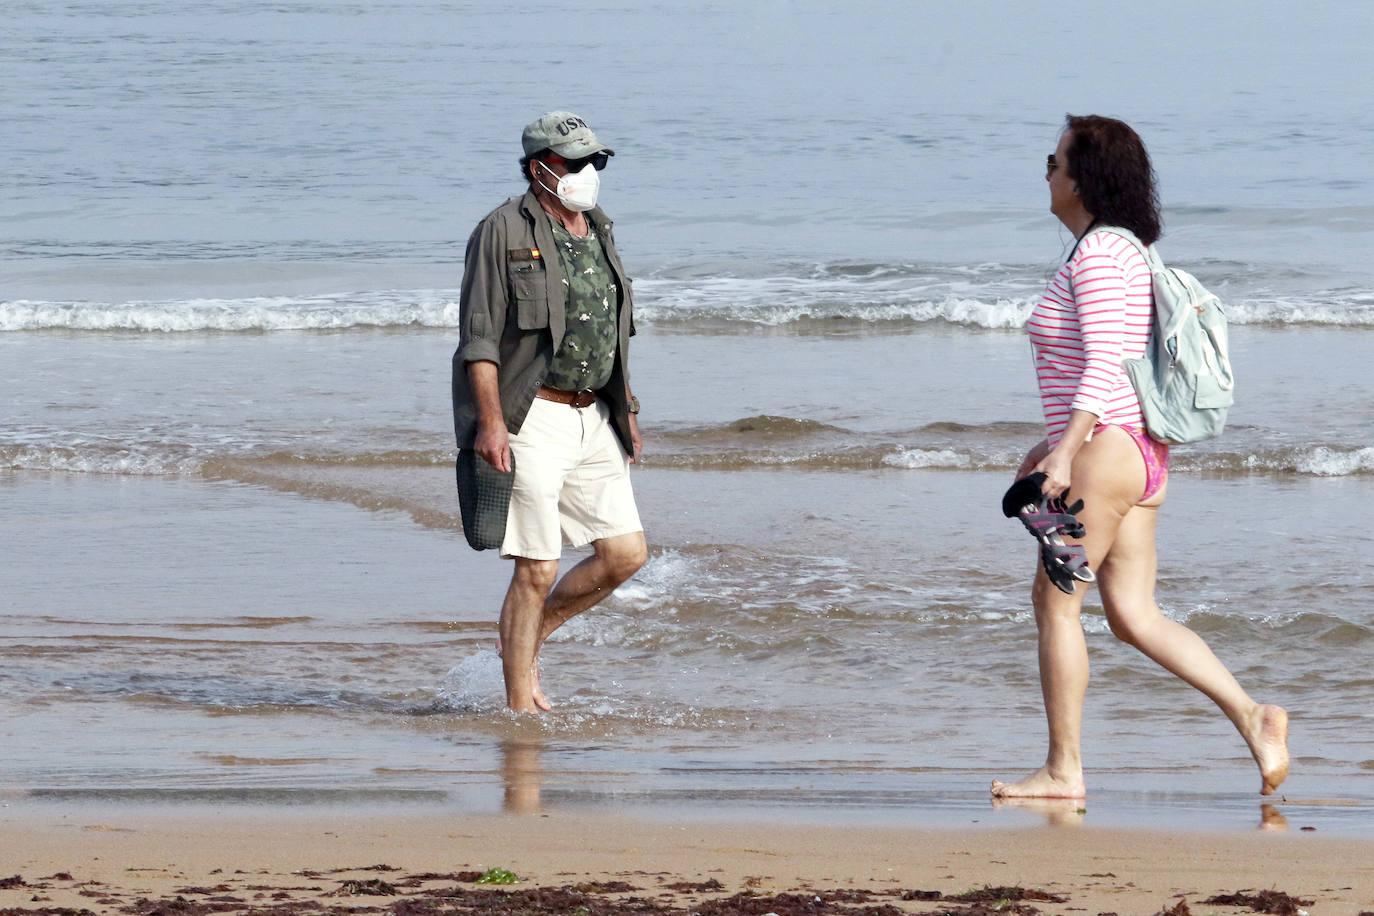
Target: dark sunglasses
1050, 165
597, 160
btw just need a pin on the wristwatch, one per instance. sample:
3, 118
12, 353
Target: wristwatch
634, 404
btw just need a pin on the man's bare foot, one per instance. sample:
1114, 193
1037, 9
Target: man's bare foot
1040, 784
1269, 746
539, 699
541, 702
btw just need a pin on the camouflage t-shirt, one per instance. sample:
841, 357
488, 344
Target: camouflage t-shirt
587, 355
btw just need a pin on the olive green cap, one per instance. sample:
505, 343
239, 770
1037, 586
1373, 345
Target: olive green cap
564, 133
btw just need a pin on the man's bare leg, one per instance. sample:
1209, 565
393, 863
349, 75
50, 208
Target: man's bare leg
520, 617
584, 586
539, 699
613, 561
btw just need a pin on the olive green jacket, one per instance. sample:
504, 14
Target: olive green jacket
512, 311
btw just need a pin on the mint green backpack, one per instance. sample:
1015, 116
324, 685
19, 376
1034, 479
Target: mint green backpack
1184, 381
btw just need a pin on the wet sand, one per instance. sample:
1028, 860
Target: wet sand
581, 864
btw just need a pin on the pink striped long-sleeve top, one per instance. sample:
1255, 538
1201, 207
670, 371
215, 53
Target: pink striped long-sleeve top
1095, 313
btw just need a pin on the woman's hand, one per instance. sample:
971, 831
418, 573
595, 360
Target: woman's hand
1033, 457
1058, 464
1058, 469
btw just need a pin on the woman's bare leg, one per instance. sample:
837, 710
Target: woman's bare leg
1107, 481
1063, 655
1127, 583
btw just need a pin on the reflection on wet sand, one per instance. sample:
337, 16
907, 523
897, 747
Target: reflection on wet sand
523, 772
1058, 812
1068, 812
1272, 818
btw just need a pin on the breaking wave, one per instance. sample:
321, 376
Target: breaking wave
748, 443
795, 297
417, 308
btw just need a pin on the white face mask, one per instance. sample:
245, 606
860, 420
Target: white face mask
577, 190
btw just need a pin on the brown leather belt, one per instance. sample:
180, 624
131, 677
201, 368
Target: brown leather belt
584, 398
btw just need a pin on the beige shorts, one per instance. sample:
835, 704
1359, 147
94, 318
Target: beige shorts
572, 482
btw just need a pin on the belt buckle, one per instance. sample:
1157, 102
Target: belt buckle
583, 397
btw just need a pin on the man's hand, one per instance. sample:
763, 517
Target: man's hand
493, 444
635, 439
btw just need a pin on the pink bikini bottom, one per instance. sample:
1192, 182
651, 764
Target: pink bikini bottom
1156, 455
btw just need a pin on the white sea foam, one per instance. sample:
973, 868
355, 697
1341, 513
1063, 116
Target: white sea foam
413, 308
1189, 615
667, 574
929, 458
874, 298
475, 683
640, 611
1326, 462
1355, 312
1317, 460
987, 298
990, 296
136, 462
664, 574
781, 307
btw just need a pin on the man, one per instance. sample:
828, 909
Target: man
541, 382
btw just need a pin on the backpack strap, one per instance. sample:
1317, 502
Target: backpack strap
1152, 259
1183, 285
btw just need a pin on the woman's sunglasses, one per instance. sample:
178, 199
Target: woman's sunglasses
597, 161
1050, 165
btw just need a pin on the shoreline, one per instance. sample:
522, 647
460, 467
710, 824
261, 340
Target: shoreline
307, 861
523, 787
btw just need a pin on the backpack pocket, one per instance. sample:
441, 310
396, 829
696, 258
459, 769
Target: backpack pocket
1210, 393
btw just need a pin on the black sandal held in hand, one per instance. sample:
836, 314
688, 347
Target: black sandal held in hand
1047, 519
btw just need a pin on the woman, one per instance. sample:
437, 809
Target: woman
1096, 312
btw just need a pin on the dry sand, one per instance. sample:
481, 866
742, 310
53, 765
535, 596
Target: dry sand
313, 861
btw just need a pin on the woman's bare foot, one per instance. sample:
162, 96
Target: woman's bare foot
1041, 784
1268, 741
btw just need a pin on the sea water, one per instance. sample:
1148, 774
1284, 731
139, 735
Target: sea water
233, 569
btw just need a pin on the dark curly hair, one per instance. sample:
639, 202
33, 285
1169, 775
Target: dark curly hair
526, 160
1115, 180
